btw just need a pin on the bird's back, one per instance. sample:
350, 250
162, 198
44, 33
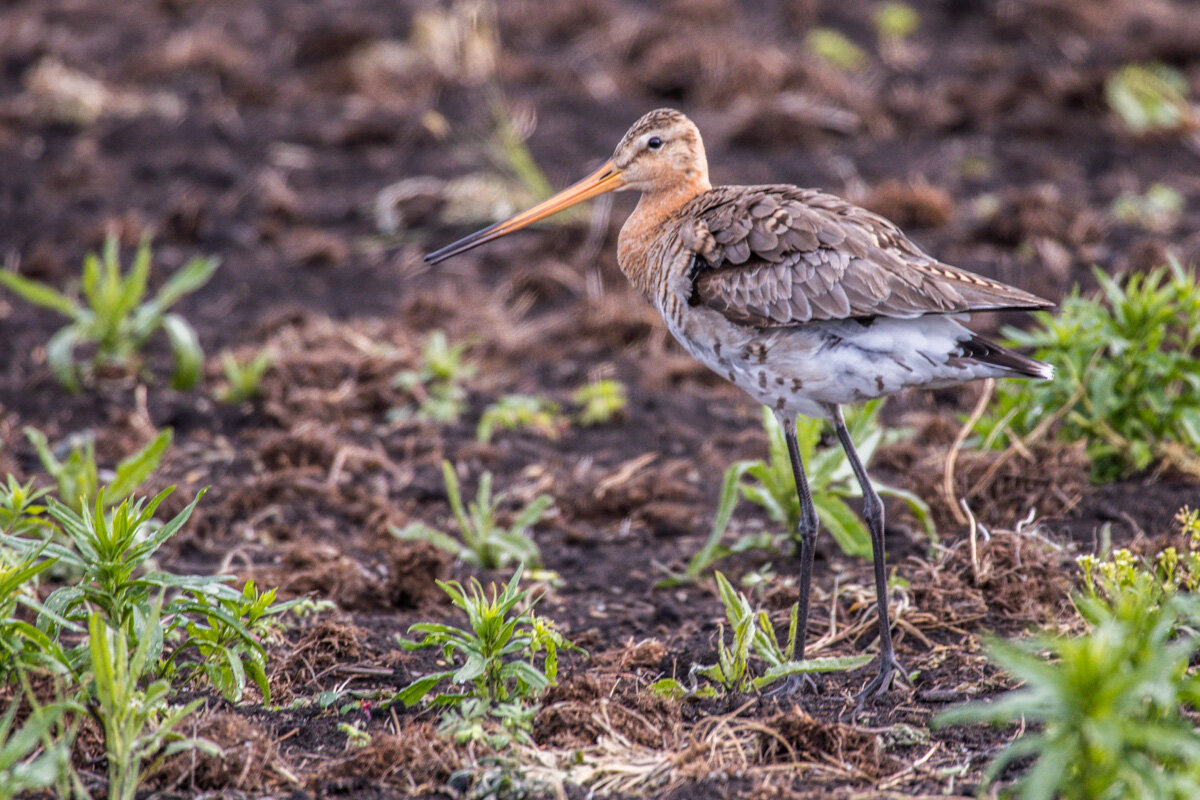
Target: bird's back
780, 255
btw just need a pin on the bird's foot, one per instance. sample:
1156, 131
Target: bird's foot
792, 685
889, 670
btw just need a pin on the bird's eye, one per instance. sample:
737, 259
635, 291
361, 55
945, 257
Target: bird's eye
654, 143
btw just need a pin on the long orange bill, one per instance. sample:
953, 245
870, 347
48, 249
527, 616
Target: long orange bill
605, 179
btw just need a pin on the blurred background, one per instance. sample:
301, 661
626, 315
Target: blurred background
317, 149
320, 147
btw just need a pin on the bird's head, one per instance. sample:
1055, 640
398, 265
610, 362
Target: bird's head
661, 153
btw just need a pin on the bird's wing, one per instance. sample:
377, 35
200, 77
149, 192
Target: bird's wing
774, 256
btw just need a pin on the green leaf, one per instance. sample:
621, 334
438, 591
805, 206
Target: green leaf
191, 277
812, 665
189, 358
413, 693
60, 356
844, 525
668, 688
132, 471
532, 513
918, 507
133, 288
419, 532
39, 294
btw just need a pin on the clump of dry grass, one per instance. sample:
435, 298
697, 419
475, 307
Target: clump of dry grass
1008, 576
416, 759
249, 762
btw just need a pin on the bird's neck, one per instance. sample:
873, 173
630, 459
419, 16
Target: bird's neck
644, 248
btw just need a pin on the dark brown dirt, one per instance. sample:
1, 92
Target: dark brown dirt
266, 133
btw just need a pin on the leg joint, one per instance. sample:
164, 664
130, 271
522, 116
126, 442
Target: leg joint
873, 508
807, 529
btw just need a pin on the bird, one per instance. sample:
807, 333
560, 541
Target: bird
803, 300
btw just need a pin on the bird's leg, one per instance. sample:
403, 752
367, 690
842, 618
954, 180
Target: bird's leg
889, 668
807, 529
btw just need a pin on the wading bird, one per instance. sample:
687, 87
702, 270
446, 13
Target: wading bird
803, 300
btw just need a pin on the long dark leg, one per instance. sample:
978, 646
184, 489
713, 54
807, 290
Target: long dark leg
889, 668
808, 540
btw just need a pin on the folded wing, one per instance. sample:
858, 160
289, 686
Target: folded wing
773, 256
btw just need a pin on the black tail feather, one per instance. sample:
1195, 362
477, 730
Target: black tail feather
980, 349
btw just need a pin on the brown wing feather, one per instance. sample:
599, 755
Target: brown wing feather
780, 255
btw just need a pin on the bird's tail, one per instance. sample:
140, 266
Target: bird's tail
984, 351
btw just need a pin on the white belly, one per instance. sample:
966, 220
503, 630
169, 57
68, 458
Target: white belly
808, 368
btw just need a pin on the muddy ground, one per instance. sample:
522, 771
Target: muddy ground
269, 133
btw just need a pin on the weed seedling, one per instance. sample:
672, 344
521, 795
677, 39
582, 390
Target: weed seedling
138, 724
754, 634
772, 486
355, 736
21, 511
1157, 210
1128, 375
37, 755
116, 317
225, 634
835, 48
437, 385
111, 554
1149, 98
515, 411
497, 651
24, 647
600, 402
1111, 714
895, 20
243, 379
78, 477
482, 541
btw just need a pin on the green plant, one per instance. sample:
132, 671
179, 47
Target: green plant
834, 47
515, 411
510, 154
600, 401
753, 633
21, 512
116, 316
36, 756
1157, 210
355, 736
1114, 706
482, 543
894, 20
243, 379
1127, 375
497, 651
1106, 580
24, 647
78, 477
138, 724
111, 553
437, 385
497, 726
225, 635
1149, 97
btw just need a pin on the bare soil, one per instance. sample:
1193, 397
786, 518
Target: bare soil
264, 133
